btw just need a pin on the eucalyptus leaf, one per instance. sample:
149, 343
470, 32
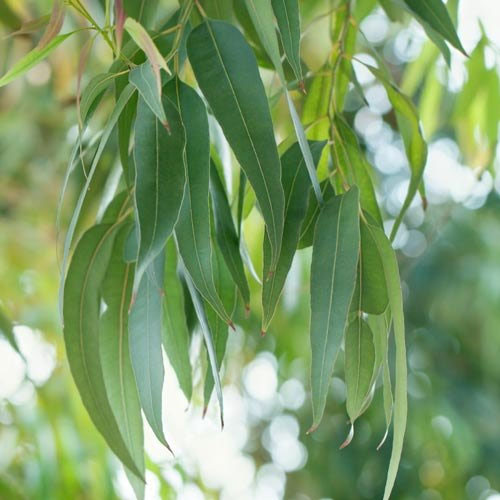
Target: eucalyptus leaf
227, 73
333, 277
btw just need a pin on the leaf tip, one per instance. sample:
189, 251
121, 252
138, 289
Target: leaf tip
312, 429
349, 437
383, 439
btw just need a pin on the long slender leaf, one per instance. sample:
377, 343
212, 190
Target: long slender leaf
333, 278
393, 283
160, 178
294, 178
227, 74
81, 333
288, 17
175, 331
31, 59
115, 356
145, 337
55, 23
7, 330
227, 237
193, 227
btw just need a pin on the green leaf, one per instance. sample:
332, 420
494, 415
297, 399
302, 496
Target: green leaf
226, 288
7, 16
316, 105
55, 23
31, 59
288, 17
208, 338
393, 284
359, 366
415, 145
106, 133
333, 279
294, 178
93, 92
227, 237
193, 227
261, 13
434, 13
115, 356
6, 329
175, 331
227, 74
312, 214
145, 336
81, 333
144, 79
160, 179
144, 10
349, 158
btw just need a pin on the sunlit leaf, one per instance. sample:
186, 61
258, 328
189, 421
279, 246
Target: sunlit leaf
160, 177
175, 333
193, 227
227, 73
294, 178
333, 279
115, 356
81, 333
145, 338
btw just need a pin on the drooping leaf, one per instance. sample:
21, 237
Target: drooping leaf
55, 23
227, 237
115, 356
160, 177
415, 145
294, 178
197, 302
349, 158
312, 214
144, 79
219, 329
93, 92
359, 366
7, 330
288, 17
227, 74
120, 17
315, 110
144, 10
145, 337
434, 13
393, 284
175, 332
120, 104
333, 279
81, 333
193, 227
31, 59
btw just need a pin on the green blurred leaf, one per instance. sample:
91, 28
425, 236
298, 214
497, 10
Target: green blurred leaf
294, 178
145, 337
6, 329
227, 73
333, 278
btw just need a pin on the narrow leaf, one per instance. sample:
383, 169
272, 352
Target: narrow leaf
288, 17
227, 73
227, 237
81, 334
55, 24
333, 278
294, 178
193, 227
175, 332
7, 330
31, 59
160, 178
145, 337
393, 284
434, 13
115, 356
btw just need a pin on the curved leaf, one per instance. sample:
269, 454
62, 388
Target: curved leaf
294, 178
193, 227
145, 337
226, 234
227, 74
333, 278
160, 178
115, 356
81, 333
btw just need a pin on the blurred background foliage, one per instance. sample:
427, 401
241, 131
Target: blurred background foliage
449, 262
